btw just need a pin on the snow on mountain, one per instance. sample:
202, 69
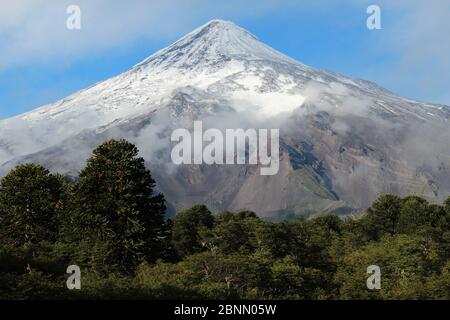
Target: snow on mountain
339, 133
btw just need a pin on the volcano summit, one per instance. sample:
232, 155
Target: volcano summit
343, 141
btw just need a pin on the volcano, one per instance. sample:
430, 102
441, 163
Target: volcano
343, 141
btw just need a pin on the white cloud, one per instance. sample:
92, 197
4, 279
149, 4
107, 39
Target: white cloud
34, 31
419, 37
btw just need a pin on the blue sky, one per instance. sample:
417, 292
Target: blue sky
41, 61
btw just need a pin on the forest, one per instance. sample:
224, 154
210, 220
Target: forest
111, 223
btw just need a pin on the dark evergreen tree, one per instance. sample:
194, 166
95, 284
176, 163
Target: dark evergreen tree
30, 198
235, 232
115, 208
382, 217
187, 228
414, 212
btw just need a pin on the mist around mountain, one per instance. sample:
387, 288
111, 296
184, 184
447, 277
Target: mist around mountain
343, 141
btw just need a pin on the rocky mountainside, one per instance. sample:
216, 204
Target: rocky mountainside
343, 141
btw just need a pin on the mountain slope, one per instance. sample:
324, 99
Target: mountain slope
343, 141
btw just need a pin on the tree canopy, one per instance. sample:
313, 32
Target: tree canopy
110, 222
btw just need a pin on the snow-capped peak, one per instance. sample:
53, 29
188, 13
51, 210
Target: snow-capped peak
221, 62
213, 43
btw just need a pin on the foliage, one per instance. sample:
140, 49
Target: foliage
30, 198
187, 227
115, 210
110, 222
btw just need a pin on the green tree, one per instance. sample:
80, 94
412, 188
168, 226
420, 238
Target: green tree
276, 238
438, 217
115, 209
382, 217
318, 235
414, 212
406, 262
234, 232
30, 199
287, 279
187, 228
447, 205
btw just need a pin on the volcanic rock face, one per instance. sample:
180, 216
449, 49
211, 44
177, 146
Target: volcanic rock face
343, 141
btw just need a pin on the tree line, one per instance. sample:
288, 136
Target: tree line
111, 223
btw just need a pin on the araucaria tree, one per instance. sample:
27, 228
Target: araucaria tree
116, 211
30, 198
